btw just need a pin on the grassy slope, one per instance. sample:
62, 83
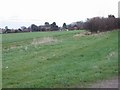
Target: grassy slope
70, 63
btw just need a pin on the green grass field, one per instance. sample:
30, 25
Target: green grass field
58, 59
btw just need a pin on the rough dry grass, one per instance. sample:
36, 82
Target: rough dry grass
35, 42
45, 40
82, 34
86, 33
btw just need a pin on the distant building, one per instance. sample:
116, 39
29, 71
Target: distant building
119, 9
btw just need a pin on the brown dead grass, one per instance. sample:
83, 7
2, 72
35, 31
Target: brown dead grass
35, 42
45, 40
87, 33
81, 34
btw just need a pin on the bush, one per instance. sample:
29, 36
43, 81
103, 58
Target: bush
102, 24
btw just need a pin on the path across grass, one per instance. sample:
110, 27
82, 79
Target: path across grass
110, 83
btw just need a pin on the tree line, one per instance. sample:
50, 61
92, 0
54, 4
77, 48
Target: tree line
101, 24
94, 25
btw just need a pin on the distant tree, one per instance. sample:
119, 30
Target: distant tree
54, 27
54, 23
42, 28
34, 27
111, 16
6, 27
93, 24
101, 24
7, 30
46, 23
23, 28
39, 28
29, 29
80, 24
64, 26
47, 26
71, 26
20, 30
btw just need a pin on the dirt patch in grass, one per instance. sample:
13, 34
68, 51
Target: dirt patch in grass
108, 83
111, 83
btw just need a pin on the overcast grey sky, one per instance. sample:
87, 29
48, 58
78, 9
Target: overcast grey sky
16, 13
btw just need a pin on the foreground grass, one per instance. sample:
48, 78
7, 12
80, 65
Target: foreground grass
69, 62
